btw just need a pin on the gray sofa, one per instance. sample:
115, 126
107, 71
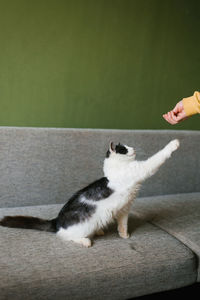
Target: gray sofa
42, 167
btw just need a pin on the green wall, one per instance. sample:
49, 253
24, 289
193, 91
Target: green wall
97, 63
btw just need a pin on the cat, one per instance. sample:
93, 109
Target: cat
109, 198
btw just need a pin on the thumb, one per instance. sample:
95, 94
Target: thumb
176, 109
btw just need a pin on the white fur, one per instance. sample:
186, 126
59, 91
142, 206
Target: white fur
125, 176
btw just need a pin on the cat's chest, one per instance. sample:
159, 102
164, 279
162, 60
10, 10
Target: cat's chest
127, 194
119, 199
123, 186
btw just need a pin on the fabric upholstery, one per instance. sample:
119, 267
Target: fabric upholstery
42, 167
45, 165
179, 215
38, 265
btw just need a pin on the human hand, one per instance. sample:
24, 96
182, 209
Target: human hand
176, 115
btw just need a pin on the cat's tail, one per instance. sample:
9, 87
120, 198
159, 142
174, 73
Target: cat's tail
29, 223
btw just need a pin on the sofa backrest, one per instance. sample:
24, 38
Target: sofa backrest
47, 165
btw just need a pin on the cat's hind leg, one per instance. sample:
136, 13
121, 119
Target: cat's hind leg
84, 241
99, 232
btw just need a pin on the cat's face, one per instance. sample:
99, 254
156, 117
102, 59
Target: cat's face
121, 151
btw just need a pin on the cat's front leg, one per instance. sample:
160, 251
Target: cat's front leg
151, 165
172, 146
122, 220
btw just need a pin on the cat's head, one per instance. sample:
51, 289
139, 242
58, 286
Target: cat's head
121, 151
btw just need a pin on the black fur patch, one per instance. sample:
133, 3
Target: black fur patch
97, 190
121, 149
75, 211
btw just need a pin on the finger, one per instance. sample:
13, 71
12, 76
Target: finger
167, 118
164, 116
176, 109
173, 116
181, 116
179, 109
172, 121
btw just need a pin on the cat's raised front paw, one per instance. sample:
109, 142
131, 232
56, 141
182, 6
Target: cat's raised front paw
174, 144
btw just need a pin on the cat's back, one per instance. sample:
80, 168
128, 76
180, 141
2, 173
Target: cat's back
82, 205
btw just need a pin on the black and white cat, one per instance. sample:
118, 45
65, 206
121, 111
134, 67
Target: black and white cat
91, 209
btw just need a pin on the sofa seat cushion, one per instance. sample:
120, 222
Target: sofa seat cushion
38, 265
179, 215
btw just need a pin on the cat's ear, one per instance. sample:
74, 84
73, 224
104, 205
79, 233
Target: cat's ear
111, 147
